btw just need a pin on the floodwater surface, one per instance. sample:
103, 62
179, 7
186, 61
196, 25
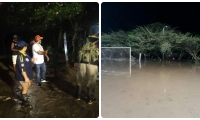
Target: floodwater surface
154, 90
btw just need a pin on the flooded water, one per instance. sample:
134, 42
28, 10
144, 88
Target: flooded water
112, 66
154, 90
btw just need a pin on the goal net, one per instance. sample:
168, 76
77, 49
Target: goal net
116, 60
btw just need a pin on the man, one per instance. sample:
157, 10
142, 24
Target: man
24, 73
87, 68
38, 56
14, 49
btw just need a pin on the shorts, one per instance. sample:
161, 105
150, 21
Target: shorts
21, 82
14, 59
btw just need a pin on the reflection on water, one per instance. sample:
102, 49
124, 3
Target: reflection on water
112, 66
157, 89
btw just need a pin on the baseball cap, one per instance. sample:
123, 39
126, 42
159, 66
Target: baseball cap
38, 37
94, 33
22, 43
15, 36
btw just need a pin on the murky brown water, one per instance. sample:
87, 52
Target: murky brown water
112, 66
156, 90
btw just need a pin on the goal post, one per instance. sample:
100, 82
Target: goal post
116, 60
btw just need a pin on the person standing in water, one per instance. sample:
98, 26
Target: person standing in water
24, 72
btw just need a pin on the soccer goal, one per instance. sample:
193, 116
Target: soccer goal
116, 60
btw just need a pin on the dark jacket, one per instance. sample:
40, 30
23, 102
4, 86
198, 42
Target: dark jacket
23, 64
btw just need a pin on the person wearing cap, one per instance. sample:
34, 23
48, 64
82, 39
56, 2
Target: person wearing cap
24, 72
14, 49
87, 68
38, 56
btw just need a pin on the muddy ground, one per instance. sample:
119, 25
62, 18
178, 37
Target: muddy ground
55, 99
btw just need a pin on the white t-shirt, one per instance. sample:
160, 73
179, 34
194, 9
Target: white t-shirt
39, 59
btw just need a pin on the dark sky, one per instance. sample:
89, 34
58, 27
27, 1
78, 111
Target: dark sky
126, 16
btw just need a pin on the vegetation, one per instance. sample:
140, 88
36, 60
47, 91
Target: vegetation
50, 20
155, 40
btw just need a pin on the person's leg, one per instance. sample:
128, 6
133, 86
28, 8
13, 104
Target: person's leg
25, 87
37, 71
14, 59
43, 68
29, 84
92, 72
14, 67
81, 70
17, 90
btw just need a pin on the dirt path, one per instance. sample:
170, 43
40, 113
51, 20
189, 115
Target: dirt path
53, 99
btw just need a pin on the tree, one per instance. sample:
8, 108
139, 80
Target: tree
152, 39
38, 16
192, 46
114, 39
51, 19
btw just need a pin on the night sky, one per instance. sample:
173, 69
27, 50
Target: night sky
126, 16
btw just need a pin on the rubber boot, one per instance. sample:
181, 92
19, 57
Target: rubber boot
17, 93
25, 101
78, 94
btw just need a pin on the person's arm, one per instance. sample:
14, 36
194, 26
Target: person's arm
22, 69
37, 50
42, 52
12, 47
46, 57
33, 60
25, 77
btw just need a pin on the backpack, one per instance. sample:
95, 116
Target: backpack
88, 52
